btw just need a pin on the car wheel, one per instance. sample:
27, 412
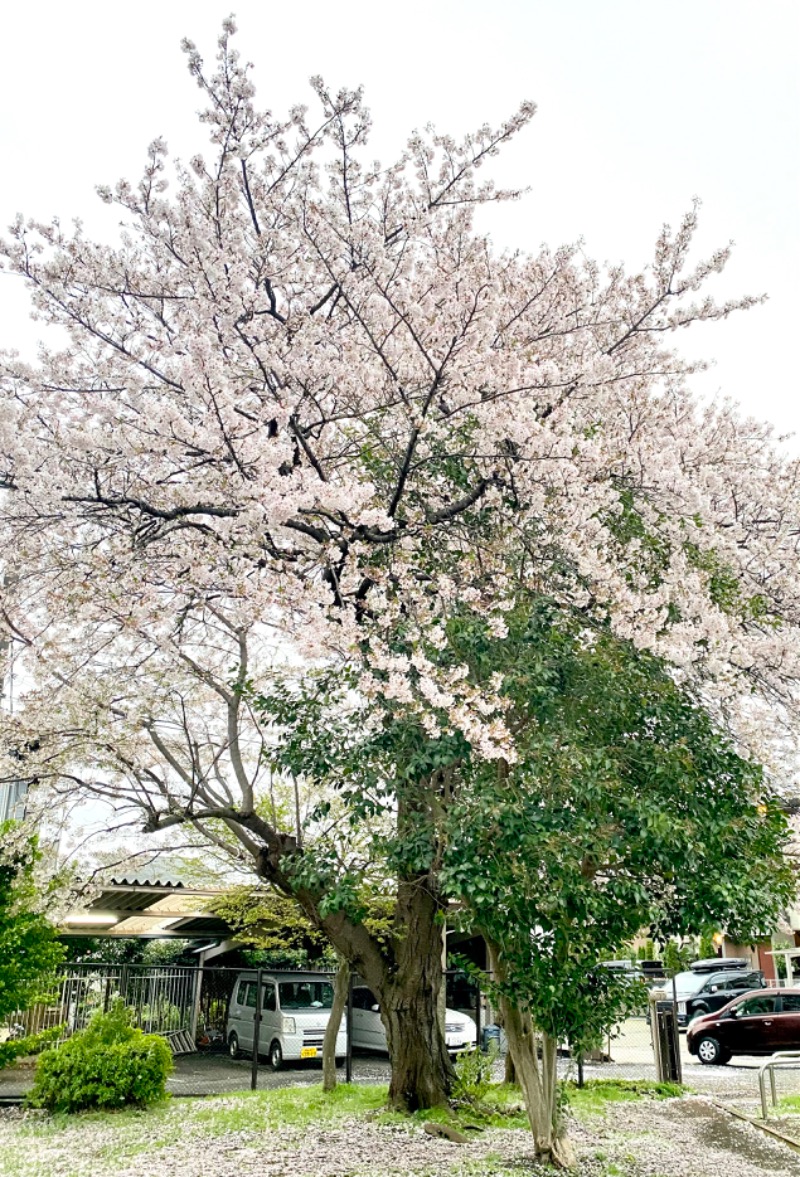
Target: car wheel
275, 1055
699, 1010
711, 1053
233, 1047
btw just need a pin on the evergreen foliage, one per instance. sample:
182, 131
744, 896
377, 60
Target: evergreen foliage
29, 948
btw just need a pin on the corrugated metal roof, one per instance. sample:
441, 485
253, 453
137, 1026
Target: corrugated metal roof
145, 879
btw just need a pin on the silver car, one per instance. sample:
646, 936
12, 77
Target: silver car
369, 1033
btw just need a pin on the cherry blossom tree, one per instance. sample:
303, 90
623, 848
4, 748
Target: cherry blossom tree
303, 396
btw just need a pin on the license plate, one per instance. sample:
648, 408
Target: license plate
308, 1052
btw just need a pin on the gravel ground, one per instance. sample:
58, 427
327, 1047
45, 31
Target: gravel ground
674, 1138
682, 1138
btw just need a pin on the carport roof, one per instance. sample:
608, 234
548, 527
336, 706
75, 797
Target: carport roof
145, 907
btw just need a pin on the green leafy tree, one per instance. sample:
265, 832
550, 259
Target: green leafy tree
107, 950
707, 946
29, 948
627, 807
677, 957
273, 929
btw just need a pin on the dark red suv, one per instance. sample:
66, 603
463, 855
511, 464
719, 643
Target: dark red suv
759, 1022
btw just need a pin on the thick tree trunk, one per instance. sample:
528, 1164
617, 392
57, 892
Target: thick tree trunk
422, 1073
403, 969
406, 979
538, 1080
341, 984
408, 994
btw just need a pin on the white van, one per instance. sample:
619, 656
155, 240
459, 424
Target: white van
295, 1012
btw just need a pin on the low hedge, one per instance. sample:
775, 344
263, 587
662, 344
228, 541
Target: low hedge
110, 1064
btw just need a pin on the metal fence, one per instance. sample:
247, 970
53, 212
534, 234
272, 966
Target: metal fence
162, 999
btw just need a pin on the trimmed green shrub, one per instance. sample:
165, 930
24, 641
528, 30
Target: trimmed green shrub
110, 1064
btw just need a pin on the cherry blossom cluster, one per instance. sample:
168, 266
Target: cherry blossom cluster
303, 396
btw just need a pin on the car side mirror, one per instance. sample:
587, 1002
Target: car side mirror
714, 988
376, 1009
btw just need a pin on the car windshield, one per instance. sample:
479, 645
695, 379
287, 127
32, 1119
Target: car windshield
687, 984
306, 994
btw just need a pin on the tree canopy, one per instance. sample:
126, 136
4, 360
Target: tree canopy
628, 808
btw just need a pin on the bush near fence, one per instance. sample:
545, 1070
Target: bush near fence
110, 1064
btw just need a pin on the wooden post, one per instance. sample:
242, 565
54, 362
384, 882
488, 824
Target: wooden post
348, 1059
256, 1033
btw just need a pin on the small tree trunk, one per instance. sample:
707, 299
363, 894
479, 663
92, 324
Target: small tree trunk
538, 1081
341, 984
510, 1071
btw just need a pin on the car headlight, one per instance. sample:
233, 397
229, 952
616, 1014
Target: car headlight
289, 1026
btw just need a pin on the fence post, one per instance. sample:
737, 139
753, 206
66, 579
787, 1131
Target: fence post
198, 990
348, 1018
677, 1061
478, 1043
256, 1033
666, 1040
107, 996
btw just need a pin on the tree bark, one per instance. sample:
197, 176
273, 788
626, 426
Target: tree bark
538, 1080
422, 1073
341, 984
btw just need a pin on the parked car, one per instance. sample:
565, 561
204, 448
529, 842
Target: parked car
369, 1033
759, 1022
631, 970
715, 964
701, 990
295, 1012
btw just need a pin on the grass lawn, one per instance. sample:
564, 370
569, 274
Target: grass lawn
301, 1131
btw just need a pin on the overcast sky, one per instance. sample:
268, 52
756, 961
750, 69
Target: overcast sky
643, 104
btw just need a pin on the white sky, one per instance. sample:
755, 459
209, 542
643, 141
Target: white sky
643, 104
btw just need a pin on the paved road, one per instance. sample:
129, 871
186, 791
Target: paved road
209, 1074
198, 1074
